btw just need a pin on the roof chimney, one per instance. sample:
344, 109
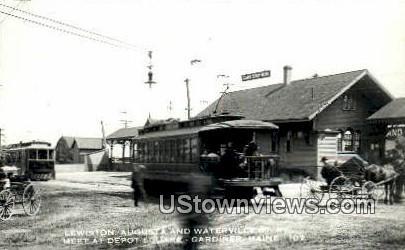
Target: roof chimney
287, 74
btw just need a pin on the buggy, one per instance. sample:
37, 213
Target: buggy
18, 190
351, 184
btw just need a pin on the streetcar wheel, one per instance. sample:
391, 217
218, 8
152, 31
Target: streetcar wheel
7, 201
235, 193
340, 188
31, 200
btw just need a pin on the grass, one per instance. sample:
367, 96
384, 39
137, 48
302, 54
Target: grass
68, 208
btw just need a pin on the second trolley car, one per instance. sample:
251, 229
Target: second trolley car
34, 159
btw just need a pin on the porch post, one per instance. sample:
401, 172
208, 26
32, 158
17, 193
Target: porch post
123, 150
112, 148
131, 149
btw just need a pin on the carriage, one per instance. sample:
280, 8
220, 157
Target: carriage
18, 190
352, 184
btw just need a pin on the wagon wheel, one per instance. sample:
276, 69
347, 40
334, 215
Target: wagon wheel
309, 190
370, 190
340, 188
31, 200
7, 200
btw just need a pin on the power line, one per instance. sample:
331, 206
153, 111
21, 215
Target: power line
64, 30
68, 25
5, 18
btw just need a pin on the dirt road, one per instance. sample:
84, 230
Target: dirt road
95, 210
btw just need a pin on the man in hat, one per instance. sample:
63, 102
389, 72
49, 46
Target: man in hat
137, 184
4, 179
329, 171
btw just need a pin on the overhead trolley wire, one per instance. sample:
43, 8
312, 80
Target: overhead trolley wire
64, 30
101, 38
18, 5
67, 25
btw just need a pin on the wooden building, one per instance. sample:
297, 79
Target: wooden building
319, 116
391, 117
63, 150
71, 150
123, 139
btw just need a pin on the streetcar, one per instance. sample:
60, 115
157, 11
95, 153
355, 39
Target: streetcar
34, 159
179, 151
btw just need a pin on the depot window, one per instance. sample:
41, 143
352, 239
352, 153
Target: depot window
348, 141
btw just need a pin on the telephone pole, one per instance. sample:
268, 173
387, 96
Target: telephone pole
187, 81
1, 138
125, 121
188, 98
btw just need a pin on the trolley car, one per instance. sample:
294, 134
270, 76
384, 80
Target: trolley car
34, 159
174, 152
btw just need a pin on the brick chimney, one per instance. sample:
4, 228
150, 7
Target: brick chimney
287, 74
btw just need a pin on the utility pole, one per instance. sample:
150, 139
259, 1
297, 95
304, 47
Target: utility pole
188, 98
125, 121
187, 81
1, 138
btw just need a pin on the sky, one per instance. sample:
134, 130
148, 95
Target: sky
56, 84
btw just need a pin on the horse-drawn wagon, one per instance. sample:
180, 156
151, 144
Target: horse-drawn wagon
357, 180
18, 190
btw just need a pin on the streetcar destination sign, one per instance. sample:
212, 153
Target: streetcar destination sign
257, 75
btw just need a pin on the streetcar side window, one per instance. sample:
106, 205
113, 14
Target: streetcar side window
156, 151
166, 153
178, 150
172, 150
194, 149
187, 152
141, 151
152, 152
147, 151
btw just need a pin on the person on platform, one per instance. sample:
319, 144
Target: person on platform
230, 161
251, 149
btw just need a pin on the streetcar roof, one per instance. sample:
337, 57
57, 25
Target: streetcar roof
36, 146
173, 132
240, 124
29, 145
233, 124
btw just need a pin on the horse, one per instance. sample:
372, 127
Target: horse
397, 160
385, 174
400, 182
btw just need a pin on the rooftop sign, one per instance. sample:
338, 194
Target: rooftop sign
257, 75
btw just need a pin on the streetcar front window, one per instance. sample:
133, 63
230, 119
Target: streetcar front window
33, 154
42, 154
